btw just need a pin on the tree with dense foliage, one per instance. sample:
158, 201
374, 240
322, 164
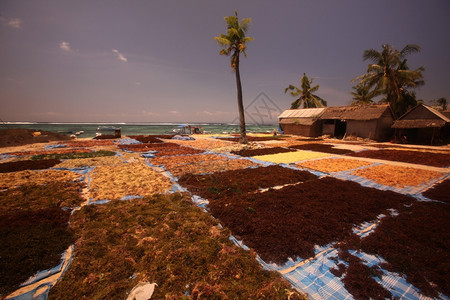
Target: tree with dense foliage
389, 75
363, 95
233, 44
441, 102
305, 94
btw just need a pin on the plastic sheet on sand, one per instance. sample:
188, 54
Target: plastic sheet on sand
313, 275
38, 286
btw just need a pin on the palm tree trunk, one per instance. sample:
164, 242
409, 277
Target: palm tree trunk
243, 137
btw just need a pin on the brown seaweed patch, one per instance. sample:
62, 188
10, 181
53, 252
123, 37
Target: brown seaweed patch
31, 241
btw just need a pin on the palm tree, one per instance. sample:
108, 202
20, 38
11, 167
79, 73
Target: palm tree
442, 102
390, 75
307, 98
363, 95
233, 43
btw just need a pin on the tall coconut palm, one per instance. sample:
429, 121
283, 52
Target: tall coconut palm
233, 44
307, 98
390, 75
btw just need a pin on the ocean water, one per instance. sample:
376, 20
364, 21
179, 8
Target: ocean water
90, 129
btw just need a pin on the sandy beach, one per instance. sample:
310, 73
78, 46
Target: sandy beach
283, 217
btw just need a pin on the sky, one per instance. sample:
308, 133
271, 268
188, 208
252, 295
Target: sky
157, 61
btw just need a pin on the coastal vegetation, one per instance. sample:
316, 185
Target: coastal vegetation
305, 95
234, 43
388, 74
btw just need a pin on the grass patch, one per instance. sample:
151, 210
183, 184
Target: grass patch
31, 241
74, 155
163, 239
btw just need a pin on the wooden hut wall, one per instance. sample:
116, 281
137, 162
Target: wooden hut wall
363, 129
313, 130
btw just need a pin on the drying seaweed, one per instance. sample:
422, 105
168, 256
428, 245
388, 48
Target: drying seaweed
151, 138
329, 165
253, 138
163, 239
262, 151
28, 165
288, 222
131, 179
21, 136
416, 243
413, 157
31, 241
291, 157
205, 167
33, 197
74, 155
396, 175
238, 182
90, 162
439, 192
9, 180
321, 148
359, 279
89, 143
44, 152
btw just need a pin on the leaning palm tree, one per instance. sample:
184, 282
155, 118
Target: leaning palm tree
233, 43
390, 75
305, 94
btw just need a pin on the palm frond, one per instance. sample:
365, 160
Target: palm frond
410, 48
372, 55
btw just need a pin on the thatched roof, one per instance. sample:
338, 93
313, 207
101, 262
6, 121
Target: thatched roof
361, 112
420, 123
422, 116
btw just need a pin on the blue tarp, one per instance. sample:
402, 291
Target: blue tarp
183, 138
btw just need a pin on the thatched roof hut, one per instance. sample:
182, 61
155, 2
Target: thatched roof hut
423, 124
304, 122
365, 121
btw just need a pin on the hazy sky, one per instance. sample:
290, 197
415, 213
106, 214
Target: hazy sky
156, 60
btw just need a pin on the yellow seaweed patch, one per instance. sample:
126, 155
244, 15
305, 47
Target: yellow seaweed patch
211, 166
397, 176
87, 162
204, 144
290, 157
329, 165
132, 179
9, 180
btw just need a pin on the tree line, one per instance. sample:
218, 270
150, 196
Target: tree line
387, 76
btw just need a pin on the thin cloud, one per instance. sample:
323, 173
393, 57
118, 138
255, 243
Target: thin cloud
214, 113
149, 113
137, 83
119, 55
13, 22
65, 46
174, 112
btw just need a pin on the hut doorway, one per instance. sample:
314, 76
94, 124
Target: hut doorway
340, 128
